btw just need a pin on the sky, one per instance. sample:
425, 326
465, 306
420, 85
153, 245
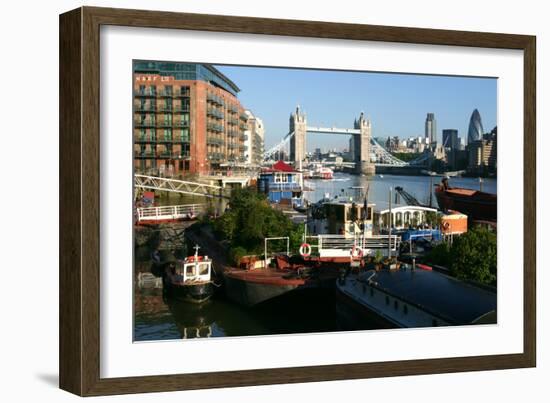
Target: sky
396, 104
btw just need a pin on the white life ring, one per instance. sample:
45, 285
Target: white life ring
305, 249
356, 252
446, 225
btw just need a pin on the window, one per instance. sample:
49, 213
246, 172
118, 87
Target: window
203, 269
190, 270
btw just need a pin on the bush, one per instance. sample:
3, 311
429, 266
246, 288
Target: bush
236, 254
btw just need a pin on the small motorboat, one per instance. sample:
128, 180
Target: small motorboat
189, 279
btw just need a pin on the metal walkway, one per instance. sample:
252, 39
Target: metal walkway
179, 186
167, 213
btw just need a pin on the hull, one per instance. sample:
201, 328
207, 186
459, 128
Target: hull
196, 293
249, 290
476, 205
353, 315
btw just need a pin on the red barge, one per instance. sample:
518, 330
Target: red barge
475, 204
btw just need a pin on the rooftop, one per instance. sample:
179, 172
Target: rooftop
450, 299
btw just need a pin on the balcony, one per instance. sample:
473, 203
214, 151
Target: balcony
215, 113
215, 99
232, 146
232, 133
165, 124
165, 108
233, 109
214, 141
243, 137
145, 108
233, 121
243, 148
214, 127
182, 109
144, 155
216, 156
181, 123
146, 94
145, 139
243, 126
166, 94
182, 94
145, 123
243, 116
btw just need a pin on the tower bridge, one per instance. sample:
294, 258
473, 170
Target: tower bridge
367, 152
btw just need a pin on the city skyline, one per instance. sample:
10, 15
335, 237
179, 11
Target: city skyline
336, 98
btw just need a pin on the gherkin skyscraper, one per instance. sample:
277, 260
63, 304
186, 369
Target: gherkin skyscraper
475, 130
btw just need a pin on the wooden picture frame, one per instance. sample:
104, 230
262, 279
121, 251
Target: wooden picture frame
80, 195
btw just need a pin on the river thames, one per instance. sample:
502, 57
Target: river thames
156, 318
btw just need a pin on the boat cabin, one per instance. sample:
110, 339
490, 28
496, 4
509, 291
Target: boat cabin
195, 269
343, 218
282, 184
405, 217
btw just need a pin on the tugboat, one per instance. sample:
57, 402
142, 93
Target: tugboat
189, 279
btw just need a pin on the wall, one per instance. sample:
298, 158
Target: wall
30, 202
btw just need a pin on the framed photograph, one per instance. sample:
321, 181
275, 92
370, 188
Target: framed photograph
251, 201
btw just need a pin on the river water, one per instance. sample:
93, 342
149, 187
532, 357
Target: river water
156, 318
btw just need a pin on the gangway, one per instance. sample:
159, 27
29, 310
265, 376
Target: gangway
168, 213
180, 186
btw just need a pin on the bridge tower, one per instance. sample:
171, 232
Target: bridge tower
298, 125
361, 146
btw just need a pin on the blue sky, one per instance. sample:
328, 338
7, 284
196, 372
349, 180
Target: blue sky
397, 104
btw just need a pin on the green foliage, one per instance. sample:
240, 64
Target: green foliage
378, 257
440, 255
236, 254
406, 156
474, 256
432, 219
250, 219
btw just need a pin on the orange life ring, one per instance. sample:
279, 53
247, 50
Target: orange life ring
446, 225
305, 249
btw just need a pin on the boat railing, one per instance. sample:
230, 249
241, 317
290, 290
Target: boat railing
343, 242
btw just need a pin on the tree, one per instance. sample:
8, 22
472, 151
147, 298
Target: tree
250, 219
474, 256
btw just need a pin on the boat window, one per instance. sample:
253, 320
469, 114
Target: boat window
190, 270
203, 269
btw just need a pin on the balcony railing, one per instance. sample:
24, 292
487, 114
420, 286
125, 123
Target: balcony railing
146, 93
165, 108
145, 123
144, 155
214, 141
215, 113
181, 123
145, 108
182, 108
216, 156
215, 127
233, 121
243, 116
214, 99
182, 94
243, 137
166, 94
243, 126
232, 133
145, 139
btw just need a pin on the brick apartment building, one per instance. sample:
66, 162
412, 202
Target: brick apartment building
187, 119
